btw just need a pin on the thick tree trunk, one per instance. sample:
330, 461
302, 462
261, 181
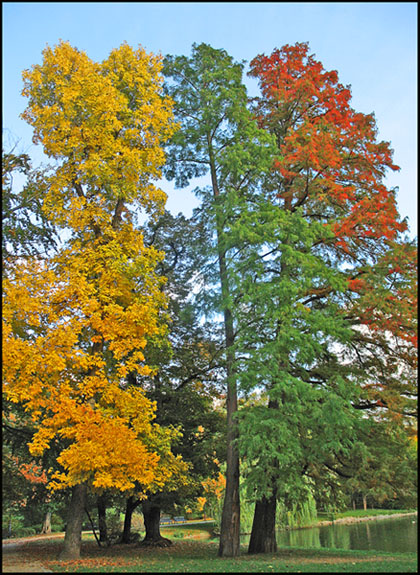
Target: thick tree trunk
151, 514
46, 526
131, 505
73, 536
263, 535
101, 505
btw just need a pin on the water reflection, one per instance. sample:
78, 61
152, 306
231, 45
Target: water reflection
392, 535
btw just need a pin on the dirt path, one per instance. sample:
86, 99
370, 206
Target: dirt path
17, 556
12, 564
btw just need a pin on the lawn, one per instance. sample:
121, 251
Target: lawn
194, 551
190, 556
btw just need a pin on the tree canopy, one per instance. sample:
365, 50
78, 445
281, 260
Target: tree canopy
291, 293
75, 324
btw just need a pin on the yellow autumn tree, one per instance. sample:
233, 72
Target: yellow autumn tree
75, 324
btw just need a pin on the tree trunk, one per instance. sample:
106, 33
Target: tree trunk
230, 525
229, 545
364, 502
151, 514
101, 505
131, 505
46, 526
263, 534
73, 536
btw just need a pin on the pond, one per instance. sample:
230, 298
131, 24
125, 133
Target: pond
393, 535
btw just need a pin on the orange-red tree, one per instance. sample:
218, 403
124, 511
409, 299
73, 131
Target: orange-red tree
76, 323
324, 235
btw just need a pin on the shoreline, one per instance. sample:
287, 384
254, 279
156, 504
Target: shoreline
354, 519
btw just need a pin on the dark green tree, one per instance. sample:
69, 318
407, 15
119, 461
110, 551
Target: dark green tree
186, 382
220, 139
24, 478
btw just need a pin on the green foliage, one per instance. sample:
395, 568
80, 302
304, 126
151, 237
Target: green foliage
305, 428
188, 363
25, 531
301, 514
57, 524
12, 522
247, 514
218, 137
114, 523
217, 127
383, 464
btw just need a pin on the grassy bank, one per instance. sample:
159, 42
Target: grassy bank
358, 515
363, 513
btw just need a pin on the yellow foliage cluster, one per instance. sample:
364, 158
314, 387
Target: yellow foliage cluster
105, 122
70, 380
215, 486
75, 324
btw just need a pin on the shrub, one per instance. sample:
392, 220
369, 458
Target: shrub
301, 514
11, 523
25, 531
57, 527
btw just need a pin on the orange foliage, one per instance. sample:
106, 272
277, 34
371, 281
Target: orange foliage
33, 473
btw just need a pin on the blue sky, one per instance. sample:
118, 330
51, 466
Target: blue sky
372, 45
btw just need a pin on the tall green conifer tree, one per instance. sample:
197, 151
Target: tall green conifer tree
219, 137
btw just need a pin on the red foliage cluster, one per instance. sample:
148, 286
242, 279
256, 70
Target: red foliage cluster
329, 160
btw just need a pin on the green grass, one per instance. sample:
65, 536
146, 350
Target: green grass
198, 557
193, 551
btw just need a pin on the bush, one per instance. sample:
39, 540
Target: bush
57, 523
113, 521
137, 522
25, 531
301, 514
11, 523
57, 527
